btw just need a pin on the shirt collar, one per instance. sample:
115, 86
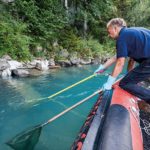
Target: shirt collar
122, 29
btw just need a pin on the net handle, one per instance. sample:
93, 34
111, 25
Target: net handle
75, 105
69, 87
72, 107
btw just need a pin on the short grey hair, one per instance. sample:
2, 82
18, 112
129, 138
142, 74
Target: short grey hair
120, 22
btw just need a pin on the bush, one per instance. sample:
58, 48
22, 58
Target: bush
13, 39
92, 48
45, 19
84, 47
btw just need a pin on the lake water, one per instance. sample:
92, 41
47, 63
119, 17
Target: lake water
21, 107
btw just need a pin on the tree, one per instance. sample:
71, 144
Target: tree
13, 37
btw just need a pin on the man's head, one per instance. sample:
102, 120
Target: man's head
114, 26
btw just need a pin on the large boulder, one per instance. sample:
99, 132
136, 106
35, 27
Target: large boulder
34, 62
42, 65
6, 73
85, 61
4, 64
65, 63
74, 59
51, 62
15, 64
20, 73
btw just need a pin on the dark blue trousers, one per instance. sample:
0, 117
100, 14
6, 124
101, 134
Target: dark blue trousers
131, 80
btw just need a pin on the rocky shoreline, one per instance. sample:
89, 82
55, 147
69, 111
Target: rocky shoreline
11, 68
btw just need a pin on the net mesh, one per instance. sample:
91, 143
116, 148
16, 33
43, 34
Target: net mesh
26, 140
146, 137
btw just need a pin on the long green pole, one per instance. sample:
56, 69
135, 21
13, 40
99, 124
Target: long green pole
63, 90
69, 87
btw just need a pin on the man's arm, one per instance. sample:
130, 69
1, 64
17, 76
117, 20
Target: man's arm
118, 67
131, 64
117, 70
109, 62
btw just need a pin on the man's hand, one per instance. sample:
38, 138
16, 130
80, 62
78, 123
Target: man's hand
99, 70
109, 83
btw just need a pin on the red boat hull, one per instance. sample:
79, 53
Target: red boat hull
113, 124
129, 101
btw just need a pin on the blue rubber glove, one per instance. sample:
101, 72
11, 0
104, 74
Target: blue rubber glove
109, 83
99, 70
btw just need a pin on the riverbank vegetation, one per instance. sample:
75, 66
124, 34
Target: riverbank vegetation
35, 28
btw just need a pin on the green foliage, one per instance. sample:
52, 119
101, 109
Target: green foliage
100, 13
90, 48
139, 15
135, 12
26, 25
69, 40
44, 18
124, 7
13, 39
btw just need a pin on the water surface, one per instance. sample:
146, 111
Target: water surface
21, 107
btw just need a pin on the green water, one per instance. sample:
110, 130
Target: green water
20, 107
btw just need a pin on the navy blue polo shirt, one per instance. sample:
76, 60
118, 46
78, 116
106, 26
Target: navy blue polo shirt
134, 42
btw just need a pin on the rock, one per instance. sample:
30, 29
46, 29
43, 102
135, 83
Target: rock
20, 73
4, 64
14, 64
85, 61
6, 57
34, 62
65, 63
51, 62
42, 65
55, 67
74, 59
96, 61
6, 73
28, 66
39, 64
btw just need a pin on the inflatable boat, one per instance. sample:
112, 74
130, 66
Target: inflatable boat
112, 124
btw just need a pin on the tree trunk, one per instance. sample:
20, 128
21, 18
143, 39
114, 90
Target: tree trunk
85, 25
66, 6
